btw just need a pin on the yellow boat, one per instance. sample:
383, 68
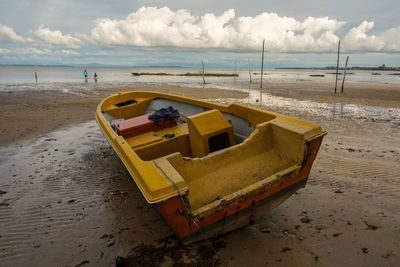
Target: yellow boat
214, 168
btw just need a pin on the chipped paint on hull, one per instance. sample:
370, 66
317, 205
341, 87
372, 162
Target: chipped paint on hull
196, 187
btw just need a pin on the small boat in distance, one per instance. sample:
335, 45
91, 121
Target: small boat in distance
209, 168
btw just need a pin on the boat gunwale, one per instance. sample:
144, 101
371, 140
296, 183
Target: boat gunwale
249, 190
113, 140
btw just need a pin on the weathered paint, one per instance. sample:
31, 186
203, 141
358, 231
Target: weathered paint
204, 125
178, 222
277, 155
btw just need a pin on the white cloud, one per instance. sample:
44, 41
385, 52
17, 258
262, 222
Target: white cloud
4, 51
357, 39
392, 39
28, 51
10, 35
69, 52
24, 51
163, 27
151, 26
97, 53
57, 38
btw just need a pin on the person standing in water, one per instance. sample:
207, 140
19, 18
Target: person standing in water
95, 77
85, 74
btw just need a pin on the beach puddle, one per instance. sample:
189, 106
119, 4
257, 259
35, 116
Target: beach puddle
73, 88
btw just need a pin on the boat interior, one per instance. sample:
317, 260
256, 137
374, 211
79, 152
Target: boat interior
215, 152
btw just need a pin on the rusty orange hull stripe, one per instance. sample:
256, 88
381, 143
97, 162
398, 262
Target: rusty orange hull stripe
169, 209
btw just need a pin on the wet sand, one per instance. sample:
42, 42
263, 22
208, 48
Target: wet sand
381, 95
67, 200
30, 113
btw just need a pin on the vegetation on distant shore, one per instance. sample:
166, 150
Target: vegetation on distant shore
383, 67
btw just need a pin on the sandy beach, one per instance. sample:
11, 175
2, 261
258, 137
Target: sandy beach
67, 200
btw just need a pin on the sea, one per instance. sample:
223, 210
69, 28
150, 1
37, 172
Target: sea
70, 79
25, 75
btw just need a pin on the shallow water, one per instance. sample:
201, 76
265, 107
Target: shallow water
70, 80
14, 75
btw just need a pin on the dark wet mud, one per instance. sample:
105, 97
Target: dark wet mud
67, 200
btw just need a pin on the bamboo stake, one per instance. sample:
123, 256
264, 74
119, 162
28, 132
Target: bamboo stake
262, 63
204, 80
249, 71
248, 96
262, 71
36, 76
344, 73
234, 77
337, 65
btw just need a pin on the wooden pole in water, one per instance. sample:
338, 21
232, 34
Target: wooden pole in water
262, 71
204, 80
234, 77
36, 76
344, 73
248, 96
337, 65
249, 71
262, 63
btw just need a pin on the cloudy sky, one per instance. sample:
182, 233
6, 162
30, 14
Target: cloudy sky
182, 33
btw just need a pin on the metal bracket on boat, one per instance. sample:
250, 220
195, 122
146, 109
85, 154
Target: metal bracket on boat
180, 211
185, 214
166, 136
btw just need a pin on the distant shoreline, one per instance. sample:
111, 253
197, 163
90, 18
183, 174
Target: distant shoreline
90, 65
351, 68
95, 65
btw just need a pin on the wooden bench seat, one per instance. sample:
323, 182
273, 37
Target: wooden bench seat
153, 145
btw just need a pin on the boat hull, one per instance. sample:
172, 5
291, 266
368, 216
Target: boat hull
203, 188
241, 211
244, 217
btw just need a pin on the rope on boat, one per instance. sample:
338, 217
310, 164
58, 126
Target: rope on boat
188, 216
184, 212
